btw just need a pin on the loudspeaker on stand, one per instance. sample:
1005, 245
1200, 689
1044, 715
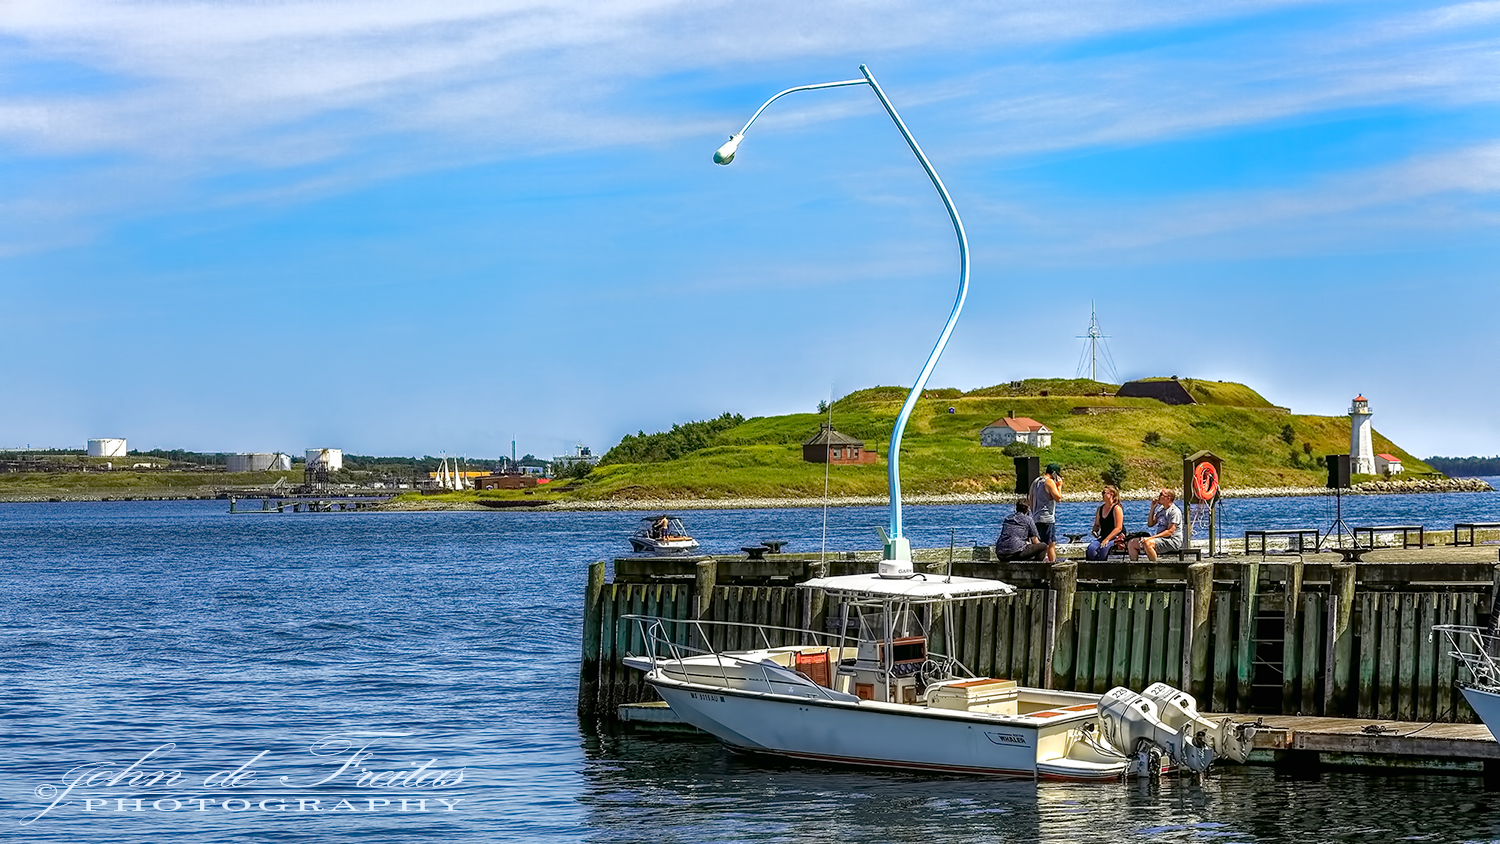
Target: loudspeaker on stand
1028, 469
1338, 471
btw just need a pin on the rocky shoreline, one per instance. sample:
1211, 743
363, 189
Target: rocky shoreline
1368, 488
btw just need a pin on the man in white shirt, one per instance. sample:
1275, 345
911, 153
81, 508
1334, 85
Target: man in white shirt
1165, 523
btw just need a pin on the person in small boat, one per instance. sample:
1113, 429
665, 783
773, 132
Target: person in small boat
1165, 525
1109, 526
1018, 539
659, 529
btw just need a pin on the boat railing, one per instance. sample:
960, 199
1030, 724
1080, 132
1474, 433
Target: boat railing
660, 644
1478, 649
663, 645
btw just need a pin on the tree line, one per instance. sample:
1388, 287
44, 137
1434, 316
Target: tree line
1465, 467
669, 445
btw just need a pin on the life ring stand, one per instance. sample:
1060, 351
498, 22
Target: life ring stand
1205, 481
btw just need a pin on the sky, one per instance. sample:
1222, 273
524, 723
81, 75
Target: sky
406, 228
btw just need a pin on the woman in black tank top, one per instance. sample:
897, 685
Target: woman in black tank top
1109, 522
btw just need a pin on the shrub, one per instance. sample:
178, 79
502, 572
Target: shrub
1151, 438
1018, 449
1115, 474
1288, 435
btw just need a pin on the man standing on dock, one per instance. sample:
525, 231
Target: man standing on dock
1165, 523
1046, 491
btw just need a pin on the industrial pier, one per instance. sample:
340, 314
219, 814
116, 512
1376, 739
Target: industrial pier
1337, 656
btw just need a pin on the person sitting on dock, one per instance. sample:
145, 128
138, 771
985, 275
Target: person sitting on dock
1109, 526
1165, 523
1018, 539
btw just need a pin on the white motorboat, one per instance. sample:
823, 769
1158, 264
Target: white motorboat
662, 535
1479, 650
881, 698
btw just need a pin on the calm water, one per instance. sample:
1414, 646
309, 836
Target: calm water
299, 656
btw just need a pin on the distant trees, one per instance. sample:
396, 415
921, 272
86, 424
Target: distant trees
1465, 467
669, 445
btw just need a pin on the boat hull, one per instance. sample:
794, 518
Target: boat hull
1486, 704
886, 735
662, 546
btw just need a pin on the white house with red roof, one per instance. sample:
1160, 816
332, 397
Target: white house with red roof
1003, 432
1387, 464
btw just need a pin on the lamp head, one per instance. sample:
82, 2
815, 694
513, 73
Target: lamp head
725, 153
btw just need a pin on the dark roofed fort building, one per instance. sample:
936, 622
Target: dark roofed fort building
829, 446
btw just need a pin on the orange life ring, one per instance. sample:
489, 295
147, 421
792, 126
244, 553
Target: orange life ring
1205, 481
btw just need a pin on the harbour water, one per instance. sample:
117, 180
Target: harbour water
254, 656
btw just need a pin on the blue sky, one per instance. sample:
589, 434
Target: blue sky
395, 229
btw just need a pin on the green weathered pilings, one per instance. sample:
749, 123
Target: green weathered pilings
1201, 586
1340, 633
707, 573
1249, 607
1060, 632
588, 670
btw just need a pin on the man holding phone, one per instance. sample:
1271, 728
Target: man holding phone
1165, 523
1046, 491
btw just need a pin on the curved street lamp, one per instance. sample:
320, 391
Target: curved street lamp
897, 562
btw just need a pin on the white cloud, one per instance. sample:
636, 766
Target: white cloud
333, 92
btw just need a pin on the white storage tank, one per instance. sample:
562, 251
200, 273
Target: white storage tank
107, 447
331, 458
259, 461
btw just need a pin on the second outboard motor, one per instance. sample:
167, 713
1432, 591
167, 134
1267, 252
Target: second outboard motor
1178, 710
1132, 723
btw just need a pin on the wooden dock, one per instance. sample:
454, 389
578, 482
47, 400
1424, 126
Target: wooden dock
1282, 635
305, 503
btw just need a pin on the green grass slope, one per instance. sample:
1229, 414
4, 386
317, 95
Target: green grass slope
941, 452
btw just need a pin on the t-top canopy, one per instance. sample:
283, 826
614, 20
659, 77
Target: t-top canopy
921, 588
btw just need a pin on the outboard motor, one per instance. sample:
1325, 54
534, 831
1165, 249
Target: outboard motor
1178, 710
1132, 723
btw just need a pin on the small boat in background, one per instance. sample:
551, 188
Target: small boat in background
1479, 650
662, 535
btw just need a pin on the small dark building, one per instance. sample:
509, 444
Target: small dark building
1167, 392
829, 446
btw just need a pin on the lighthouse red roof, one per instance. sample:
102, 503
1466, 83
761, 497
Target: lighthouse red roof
1360, 398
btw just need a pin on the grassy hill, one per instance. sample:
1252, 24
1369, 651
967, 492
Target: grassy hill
941, 451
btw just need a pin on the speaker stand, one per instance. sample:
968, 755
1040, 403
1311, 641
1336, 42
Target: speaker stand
1338, 528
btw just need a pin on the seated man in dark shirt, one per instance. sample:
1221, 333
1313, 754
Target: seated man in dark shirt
1018, 537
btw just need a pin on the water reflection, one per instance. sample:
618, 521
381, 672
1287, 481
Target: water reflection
687, 789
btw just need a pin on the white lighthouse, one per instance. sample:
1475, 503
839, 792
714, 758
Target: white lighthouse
1361, 451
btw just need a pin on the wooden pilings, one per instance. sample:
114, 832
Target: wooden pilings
1246, 636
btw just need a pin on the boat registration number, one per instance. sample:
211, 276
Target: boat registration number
714, 698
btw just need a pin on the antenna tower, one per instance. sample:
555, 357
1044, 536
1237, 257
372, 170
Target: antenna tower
1096, 338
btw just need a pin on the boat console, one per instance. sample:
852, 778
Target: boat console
866, 674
